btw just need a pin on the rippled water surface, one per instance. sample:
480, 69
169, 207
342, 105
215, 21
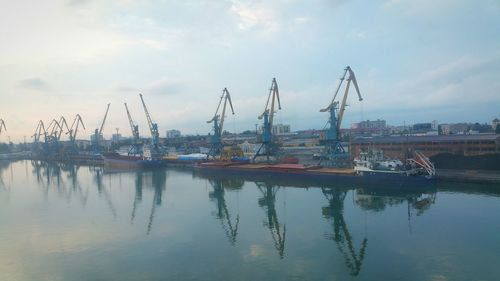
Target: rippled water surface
63, 222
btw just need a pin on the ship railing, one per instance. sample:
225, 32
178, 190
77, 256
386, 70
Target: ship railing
424, 162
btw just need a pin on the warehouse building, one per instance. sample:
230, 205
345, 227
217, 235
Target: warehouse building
399, 146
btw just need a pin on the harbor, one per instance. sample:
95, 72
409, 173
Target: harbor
249, 140
393, 159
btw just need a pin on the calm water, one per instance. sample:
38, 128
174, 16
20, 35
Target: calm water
62, 222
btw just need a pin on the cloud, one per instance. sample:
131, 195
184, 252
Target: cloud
77, 2
126, 89
301, 20
34, 84
459, 83
253, 16
167, 86
458, 69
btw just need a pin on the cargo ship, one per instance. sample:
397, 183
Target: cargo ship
118, 161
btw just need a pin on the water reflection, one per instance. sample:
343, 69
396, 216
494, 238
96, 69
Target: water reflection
341, 235
223, 215
97, 173
49, 174
267, 201
3, 166
159, 178
137, 196
330, 243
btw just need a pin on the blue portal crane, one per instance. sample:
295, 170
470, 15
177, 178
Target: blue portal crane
55, 130
218, 120
268, 145
334, 153
136, 148
97, 136
73, 131
154, 150
38, 147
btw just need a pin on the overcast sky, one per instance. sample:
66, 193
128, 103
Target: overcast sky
415, 61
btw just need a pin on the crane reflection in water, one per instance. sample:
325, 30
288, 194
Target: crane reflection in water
98, 173
378, 200
158, 179
268, 201
222, 214
341, 235
3, 166
366, 199
137, 196
61, 176
48, 174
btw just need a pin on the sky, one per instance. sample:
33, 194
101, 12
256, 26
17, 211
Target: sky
414, 60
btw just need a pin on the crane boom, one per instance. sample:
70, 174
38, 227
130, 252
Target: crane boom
222, 118
40, 128
62, 123
218, 120
104, 119
152, 126
273, 95
2, 125
154, 151
133, 127
53, 128
135, 149
148, 117
226, 97
73, 130
343, 105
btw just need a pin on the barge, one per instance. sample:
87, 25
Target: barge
118, 161
417, 171
317, 174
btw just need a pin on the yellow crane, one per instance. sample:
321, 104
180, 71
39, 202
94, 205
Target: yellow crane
334, 153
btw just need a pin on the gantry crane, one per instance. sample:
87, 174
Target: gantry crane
73, 131
334, 153
98, 133
136, 148
268, 145
2, 125
153, 151
218, 120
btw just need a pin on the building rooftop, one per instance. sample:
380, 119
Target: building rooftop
393, 139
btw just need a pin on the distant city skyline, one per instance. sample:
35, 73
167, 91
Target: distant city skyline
415, 61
